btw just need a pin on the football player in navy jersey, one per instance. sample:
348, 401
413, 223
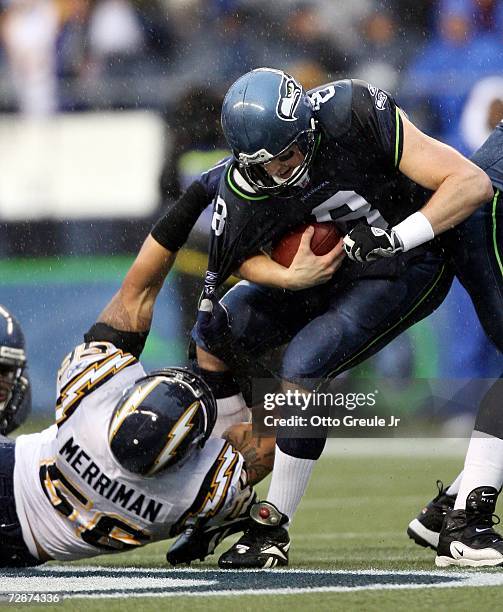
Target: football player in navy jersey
343, 151
15, 392
351, 137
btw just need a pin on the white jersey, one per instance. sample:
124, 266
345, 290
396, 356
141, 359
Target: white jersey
77, 501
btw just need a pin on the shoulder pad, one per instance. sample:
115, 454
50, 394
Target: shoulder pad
88, 354
89, 366
213, 174
236, 184
332, 106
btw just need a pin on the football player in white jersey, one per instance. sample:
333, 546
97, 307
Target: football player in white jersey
128, 461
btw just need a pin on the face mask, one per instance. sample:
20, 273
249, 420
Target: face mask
302, 181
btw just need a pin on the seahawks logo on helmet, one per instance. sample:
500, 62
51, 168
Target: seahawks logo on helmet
289, 96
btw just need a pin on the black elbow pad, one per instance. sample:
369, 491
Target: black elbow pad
129, 342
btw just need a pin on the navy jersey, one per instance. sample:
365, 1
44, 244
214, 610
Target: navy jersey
354, 175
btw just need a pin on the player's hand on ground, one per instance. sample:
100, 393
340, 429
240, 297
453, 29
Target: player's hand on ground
367, 243
307, 269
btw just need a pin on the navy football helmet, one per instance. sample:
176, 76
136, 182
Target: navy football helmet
161, 420
15, 396
264, 113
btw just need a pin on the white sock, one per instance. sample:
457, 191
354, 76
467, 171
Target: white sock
230, 410
290, 477
453, 489
483, 466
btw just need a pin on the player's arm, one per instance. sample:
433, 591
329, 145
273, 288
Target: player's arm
257, 452
306, 269
460, 186
117, 339
223, 501
131, 309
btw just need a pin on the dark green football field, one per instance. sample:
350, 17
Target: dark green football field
353, 519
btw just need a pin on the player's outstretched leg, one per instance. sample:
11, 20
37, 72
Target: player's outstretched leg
425, 528
263, 545
467, 538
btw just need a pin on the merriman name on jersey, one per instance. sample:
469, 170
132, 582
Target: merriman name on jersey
125, 496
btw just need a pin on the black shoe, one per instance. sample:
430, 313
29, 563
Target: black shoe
263, 545
467, 538
196, 543
425, 528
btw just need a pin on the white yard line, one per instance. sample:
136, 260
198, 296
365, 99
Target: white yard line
95, 582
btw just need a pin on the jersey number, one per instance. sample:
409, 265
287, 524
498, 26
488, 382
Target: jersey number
321, 96
106, 531
219, 216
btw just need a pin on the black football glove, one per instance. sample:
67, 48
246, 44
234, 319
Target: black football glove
367, 243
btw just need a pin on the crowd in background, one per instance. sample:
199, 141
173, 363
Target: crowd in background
441, 59
94, 54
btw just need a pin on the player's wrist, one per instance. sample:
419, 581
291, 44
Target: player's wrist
414, 231
286, 279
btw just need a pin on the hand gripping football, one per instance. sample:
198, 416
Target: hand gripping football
326, 236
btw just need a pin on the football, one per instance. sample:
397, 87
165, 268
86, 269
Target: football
326, 236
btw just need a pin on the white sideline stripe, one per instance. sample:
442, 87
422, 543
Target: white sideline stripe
156, 578
396, 447
56, 584
482, 580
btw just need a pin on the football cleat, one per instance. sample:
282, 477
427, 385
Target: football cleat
196, 543
201, 538
425, 528
263, 545
467, 538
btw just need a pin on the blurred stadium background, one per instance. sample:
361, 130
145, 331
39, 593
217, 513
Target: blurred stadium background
109, 108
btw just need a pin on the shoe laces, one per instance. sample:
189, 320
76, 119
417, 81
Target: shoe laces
441, 488
439, 501
483, 519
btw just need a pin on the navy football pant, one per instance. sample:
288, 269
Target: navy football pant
13, 550
475, 247
334, 327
